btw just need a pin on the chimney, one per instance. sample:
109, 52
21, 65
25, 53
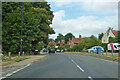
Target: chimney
79, 36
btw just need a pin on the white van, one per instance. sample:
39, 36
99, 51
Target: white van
113, 46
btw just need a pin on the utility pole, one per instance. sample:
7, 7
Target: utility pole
21, 31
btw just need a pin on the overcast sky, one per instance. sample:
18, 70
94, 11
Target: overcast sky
85, 17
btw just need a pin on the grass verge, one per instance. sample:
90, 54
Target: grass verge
7, 60
104, 56
21, 59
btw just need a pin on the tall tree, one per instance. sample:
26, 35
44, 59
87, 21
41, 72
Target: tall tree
110, 28
112, 40
35, 25
100, 36
67, 36
59, 37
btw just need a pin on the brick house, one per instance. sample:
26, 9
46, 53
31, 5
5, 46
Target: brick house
110, 33
52, 43
74, 41
62, 43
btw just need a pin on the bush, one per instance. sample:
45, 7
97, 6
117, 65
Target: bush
79, 47
87, 43
104, 45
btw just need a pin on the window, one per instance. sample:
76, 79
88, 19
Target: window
107, 34
104, 40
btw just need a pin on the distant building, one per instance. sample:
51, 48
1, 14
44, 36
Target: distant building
52, 43
74, 41
110, 33
62, 43
58, 43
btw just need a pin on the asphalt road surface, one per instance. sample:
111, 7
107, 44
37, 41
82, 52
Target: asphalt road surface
63, 65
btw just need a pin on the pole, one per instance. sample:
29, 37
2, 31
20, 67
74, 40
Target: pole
106, 52
112, 52
9, 55
21, 31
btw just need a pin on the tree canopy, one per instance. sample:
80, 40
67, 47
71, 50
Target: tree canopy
100, 36
67, 36
37, 17
87, 43
59, 37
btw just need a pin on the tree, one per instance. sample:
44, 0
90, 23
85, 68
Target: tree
59, 37
104, 45
67, 36
118, 37
37, 18
79, 47
110, 28
87, 43
100, 36
112, 40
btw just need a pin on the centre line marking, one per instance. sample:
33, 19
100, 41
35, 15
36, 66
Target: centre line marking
80, 68
77, 65
90, 78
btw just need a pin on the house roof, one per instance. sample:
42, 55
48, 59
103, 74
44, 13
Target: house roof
77, 40
58, 42
115, 32
52, 43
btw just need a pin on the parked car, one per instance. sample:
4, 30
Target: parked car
113, 46
1, 54
62, 50
57, 50
94, 49
36, 52
51, 50
44, 50
65, 49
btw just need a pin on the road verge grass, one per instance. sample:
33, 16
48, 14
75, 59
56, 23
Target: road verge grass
21, 59
114, 57
7, 60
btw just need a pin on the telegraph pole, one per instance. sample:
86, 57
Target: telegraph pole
21, 31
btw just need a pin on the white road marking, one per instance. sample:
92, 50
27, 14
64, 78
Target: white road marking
77, 65
8, 75
2, 78
16, 71
80, 68
90, 78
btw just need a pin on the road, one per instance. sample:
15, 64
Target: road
63, 65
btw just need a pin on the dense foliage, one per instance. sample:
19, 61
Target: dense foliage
116, 39
67, 36
36, 20
100, 36
87, 43
59, 37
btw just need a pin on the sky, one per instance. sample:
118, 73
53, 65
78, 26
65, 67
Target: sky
83, 17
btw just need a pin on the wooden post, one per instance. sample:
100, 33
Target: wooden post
19, 54
106, 52
112, 52
119, 53
23, 53
9, 54
102, 53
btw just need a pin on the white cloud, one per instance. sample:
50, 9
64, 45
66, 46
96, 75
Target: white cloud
85, 25
101, 6
91, 5
53, 36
